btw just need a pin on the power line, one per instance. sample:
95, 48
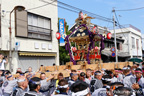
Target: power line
84, 11
77, 10
131, 9
42, 5
119, 24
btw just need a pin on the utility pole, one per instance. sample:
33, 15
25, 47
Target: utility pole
116, 57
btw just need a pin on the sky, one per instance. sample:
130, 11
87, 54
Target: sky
104, 8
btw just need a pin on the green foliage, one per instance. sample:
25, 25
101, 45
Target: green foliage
63, 54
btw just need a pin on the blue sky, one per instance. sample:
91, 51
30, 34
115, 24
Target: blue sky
104, 8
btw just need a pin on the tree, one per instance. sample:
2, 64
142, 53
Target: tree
64, 54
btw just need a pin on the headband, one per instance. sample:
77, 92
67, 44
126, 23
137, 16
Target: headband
138, 71
108, 87
143, 71
106, 79
21, 80
126, 68
37, 83
65, 86
98, 73
9, 76
81, 93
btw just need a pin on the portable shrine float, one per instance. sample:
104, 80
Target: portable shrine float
85, 43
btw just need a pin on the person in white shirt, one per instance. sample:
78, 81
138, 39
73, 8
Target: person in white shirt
3, 61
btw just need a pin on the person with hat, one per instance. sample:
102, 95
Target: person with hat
34, 86
80, 89
139, 85
22, 86
129, 79
96, 82
106, 79
8, 85
62, 88
82, 77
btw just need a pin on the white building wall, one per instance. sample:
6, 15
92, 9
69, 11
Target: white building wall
127, 34
26, 44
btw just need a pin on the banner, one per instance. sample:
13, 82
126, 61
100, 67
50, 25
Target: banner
62, 31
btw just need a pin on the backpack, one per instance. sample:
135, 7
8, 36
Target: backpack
92, 85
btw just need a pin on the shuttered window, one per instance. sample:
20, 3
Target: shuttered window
39, 27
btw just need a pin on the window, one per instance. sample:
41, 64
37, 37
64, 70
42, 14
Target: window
133, 42
137, 43
39, 27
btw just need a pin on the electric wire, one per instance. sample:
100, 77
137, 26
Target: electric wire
131, 9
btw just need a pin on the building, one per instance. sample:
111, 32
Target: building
34, 30
143, 46
132, 40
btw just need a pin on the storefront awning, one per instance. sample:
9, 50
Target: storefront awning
36, 54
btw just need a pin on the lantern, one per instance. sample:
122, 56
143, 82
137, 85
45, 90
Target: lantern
96, 48
58, 35
94, 29
109, 36
74, 49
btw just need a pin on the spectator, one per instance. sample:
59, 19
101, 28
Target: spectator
3, 61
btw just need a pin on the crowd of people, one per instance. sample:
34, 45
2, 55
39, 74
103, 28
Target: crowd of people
128, 81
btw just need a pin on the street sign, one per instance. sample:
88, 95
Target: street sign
113, 49
113, 54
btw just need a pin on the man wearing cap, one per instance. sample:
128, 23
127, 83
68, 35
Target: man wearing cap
82, 77
106, 79
139, 85
129, 79
96, 82
45, 83
8, 85
80, 89
62, 88
34, 86
22, 86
